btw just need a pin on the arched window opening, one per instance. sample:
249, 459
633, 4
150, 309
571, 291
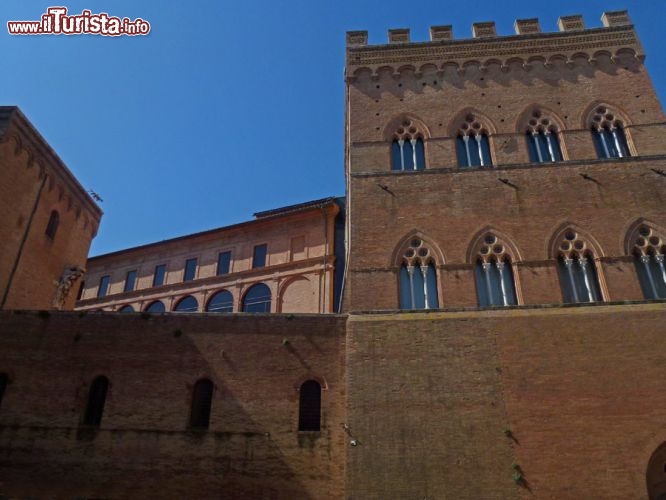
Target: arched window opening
407, 149
4, 380
577, 270
126, 309
472, 146
649, 249
202, 400
309, 409
187, 304
418, 278
52, 226
257, 299
656, 474
495, 285
542, 139
156, 307
96, 400
608, 134
221, 302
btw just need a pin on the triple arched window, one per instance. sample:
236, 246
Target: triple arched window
495, 285
649, 248
472, 146
577, 269
542, 139
407, 149
418, 278
608, 134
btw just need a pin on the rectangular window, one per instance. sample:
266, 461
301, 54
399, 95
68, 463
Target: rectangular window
130, 281
103, 286
297, 248
190, 269
160, 274
223, 263
259, 256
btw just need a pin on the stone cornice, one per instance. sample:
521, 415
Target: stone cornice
494, 50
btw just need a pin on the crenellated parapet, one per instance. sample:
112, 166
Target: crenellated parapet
573, 42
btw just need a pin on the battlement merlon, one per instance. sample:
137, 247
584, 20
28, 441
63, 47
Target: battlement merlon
529, 44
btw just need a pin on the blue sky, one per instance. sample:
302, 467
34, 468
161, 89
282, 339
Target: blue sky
226, 109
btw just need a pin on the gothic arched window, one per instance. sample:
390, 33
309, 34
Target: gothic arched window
96, 401
608, 134
418, 278
309, 407
472, 146
407, 149
542, 139
202, 401
577, 270
495, 285
649, 249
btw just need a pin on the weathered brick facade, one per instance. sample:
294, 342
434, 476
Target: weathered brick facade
527, 398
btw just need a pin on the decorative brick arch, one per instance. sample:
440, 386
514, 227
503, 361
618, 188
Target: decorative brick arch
290, 285
654, 237
470, 116
560, 234
481, 239
434, 255
523, 121
404, 125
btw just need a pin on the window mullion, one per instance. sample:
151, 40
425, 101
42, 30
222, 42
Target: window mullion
549, 142
413, 142
537, 146
568, 263
467, 152
401, 143
617, 142
486, 273
645, 260
500, 268
582, 262
477, 138
424, 272
660, 261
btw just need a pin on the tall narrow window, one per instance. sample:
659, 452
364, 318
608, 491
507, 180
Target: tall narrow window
608, 134
259, 256
495, 285
160, 274
407, 149
96, 401
130, 281
542, 139
190, 271
418, 278
309, 409
52, 226
103, 289
649, 249
577, 270
222, 302
156, 307
223, 263
4, 379
187, 304
472, 146
257, 299
202, 400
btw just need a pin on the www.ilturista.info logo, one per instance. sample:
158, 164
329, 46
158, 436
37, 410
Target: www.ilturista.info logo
57, 22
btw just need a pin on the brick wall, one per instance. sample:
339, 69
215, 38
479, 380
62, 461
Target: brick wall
143, 448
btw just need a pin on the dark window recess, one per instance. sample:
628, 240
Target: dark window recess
223, 263
257, 299
96, 400
190, 269
79, 294
309, 411
202, 400
160, 274
126, 309
4, 379
156, 307
103, 286
187, 304
259, 256
130, 281
52, 226
221, 302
